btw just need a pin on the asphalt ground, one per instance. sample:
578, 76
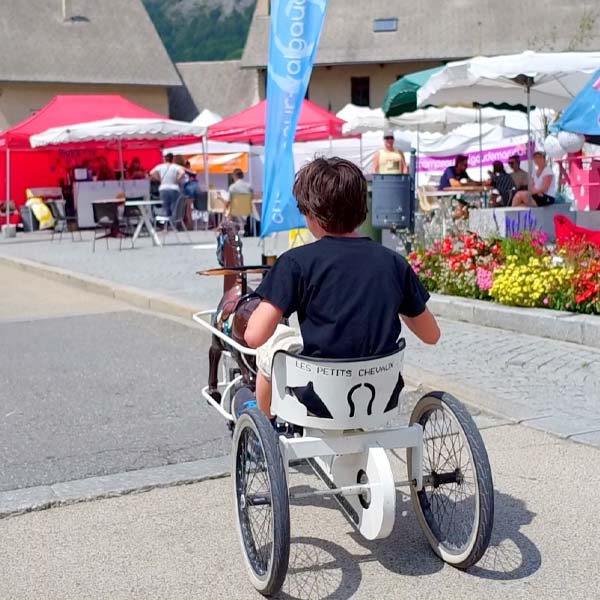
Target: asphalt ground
90, 387
180, 542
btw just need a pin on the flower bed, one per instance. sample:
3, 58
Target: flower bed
520, 270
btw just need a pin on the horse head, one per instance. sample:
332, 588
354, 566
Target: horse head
229, 245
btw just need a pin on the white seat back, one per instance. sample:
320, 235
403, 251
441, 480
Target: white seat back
336, 394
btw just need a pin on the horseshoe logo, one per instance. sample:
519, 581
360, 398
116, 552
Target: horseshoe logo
351, 401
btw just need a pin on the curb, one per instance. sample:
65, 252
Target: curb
18, 502
540, 322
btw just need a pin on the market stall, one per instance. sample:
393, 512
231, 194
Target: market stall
22, 167
125, 133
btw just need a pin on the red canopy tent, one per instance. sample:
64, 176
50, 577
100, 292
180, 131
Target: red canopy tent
43, 167
248, 126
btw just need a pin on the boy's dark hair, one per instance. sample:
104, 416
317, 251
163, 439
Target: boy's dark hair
334, 192
169, 157
238, 174
498, 167
461, 158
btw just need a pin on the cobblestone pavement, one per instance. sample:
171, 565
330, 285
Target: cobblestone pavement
550, 385
169, 270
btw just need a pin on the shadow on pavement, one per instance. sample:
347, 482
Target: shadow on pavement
319, 570
511, 554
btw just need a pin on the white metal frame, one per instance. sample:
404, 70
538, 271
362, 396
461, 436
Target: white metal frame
339, 453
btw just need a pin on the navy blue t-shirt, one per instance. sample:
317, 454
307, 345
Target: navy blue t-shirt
348, 292
447, 175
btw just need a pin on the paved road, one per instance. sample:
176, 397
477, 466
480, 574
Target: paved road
179, 543
90, 387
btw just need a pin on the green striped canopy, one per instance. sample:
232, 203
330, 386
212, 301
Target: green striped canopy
401, 96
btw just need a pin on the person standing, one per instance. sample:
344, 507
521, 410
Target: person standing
169, 176
388, 160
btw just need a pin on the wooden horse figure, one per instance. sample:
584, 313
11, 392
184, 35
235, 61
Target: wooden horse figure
235, 307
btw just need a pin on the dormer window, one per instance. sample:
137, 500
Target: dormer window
380, 25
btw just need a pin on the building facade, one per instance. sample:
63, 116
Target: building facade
51, 47
366, 46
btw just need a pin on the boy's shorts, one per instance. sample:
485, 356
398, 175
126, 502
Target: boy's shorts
285, 338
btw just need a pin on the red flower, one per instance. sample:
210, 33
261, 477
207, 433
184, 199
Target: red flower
588, 291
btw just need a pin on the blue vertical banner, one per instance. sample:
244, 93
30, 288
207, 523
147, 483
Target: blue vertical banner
294, 34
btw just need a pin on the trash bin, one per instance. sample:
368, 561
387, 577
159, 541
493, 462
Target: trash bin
30, 223
367, 229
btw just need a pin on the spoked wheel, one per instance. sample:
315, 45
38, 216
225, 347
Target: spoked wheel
455, 507
261, 501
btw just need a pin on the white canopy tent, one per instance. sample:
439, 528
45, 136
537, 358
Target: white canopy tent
213, 148
361, 119
207, 118
546, 80
116, 129
438, 120
119, 129
447, 118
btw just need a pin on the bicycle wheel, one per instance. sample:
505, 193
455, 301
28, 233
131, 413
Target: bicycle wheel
261, 501
455, 506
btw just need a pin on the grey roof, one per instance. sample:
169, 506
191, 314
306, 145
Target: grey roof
104, 41
439, 30
221, 86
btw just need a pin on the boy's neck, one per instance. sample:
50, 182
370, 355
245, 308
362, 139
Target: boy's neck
352, 234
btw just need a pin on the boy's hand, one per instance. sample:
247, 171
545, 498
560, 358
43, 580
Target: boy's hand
262, 324
424, 326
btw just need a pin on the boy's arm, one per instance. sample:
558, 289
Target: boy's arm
424, 326
262, 324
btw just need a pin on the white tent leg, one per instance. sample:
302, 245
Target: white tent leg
529, 157
205, 162
360, 149
417, 157
7, 186
480, 145
121, 166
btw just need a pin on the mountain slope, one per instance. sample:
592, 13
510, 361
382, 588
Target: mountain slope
202, 29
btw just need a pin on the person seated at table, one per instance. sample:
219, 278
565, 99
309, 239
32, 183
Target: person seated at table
169, 176
519, 176
135, 170
457, 177
104, 172
543, 187
239, 186
502, 184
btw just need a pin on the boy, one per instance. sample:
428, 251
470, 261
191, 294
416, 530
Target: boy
348, 291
